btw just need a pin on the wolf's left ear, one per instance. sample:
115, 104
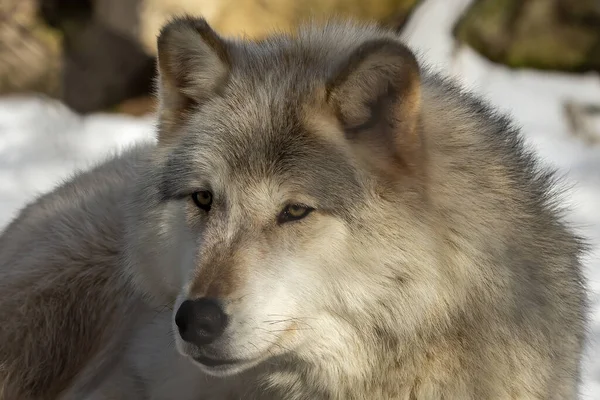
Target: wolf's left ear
193, 63
376, 95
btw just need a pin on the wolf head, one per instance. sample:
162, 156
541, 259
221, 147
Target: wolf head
293, 170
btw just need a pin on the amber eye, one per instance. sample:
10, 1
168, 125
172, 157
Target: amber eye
293, 212
203, 199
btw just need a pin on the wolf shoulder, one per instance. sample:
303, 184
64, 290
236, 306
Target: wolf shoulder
61, 281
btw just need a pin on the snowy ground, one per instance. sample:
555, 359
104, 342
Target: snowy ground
42, 142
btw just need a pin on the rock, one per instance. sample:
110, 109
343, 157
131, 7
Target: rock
30, 51
103, 68
560, 35
103, 63
97, 54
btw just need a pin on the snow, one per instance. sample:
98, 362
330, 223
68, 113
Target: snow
42, 142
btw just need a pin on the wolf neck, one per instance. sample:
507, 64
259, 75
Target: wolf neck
375, 373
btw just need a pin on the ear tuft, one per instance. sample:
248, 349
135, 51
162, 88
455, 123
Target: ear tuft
193, 63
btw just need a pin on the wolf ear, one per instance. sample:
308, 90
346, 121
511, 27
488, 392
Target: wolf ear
193, 63
376, 96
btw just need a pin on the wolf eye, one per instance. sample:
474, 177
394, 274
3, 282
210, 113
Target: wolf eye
203, 199
294, 212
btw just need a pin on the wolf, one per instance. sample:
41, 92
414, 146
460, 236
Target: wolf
322, 216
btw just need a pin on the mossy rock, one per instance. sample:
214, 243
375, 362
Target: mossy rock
557, 35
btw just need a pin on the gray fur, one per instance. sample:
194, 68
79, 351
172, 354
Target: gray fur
437, 264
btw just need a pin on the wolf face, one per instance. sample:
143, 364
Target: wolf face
296, 168
291, 162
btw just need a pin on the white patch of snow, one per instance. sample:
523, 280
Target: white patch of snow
42, 143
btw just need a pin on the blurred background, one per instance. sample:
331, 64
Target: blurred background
98, 55
76, 82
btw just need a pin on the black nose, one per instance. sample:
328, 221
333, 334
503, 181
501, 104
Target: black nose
200, 321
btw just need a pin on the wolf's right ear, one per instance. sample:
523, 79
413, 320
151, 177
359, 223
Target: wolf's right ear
193, 62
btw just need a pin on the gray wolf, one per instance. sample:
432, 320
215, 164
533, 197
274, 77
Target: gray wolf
322, 217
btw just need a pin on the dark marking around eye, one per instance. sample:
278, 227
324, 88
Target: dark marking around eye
203, 199
294, 212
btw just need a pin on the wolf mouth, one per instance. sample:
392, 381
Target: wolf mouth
212, 362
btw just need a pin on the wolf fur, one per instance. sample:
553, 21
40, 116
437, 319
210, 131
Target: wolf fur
436, 263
